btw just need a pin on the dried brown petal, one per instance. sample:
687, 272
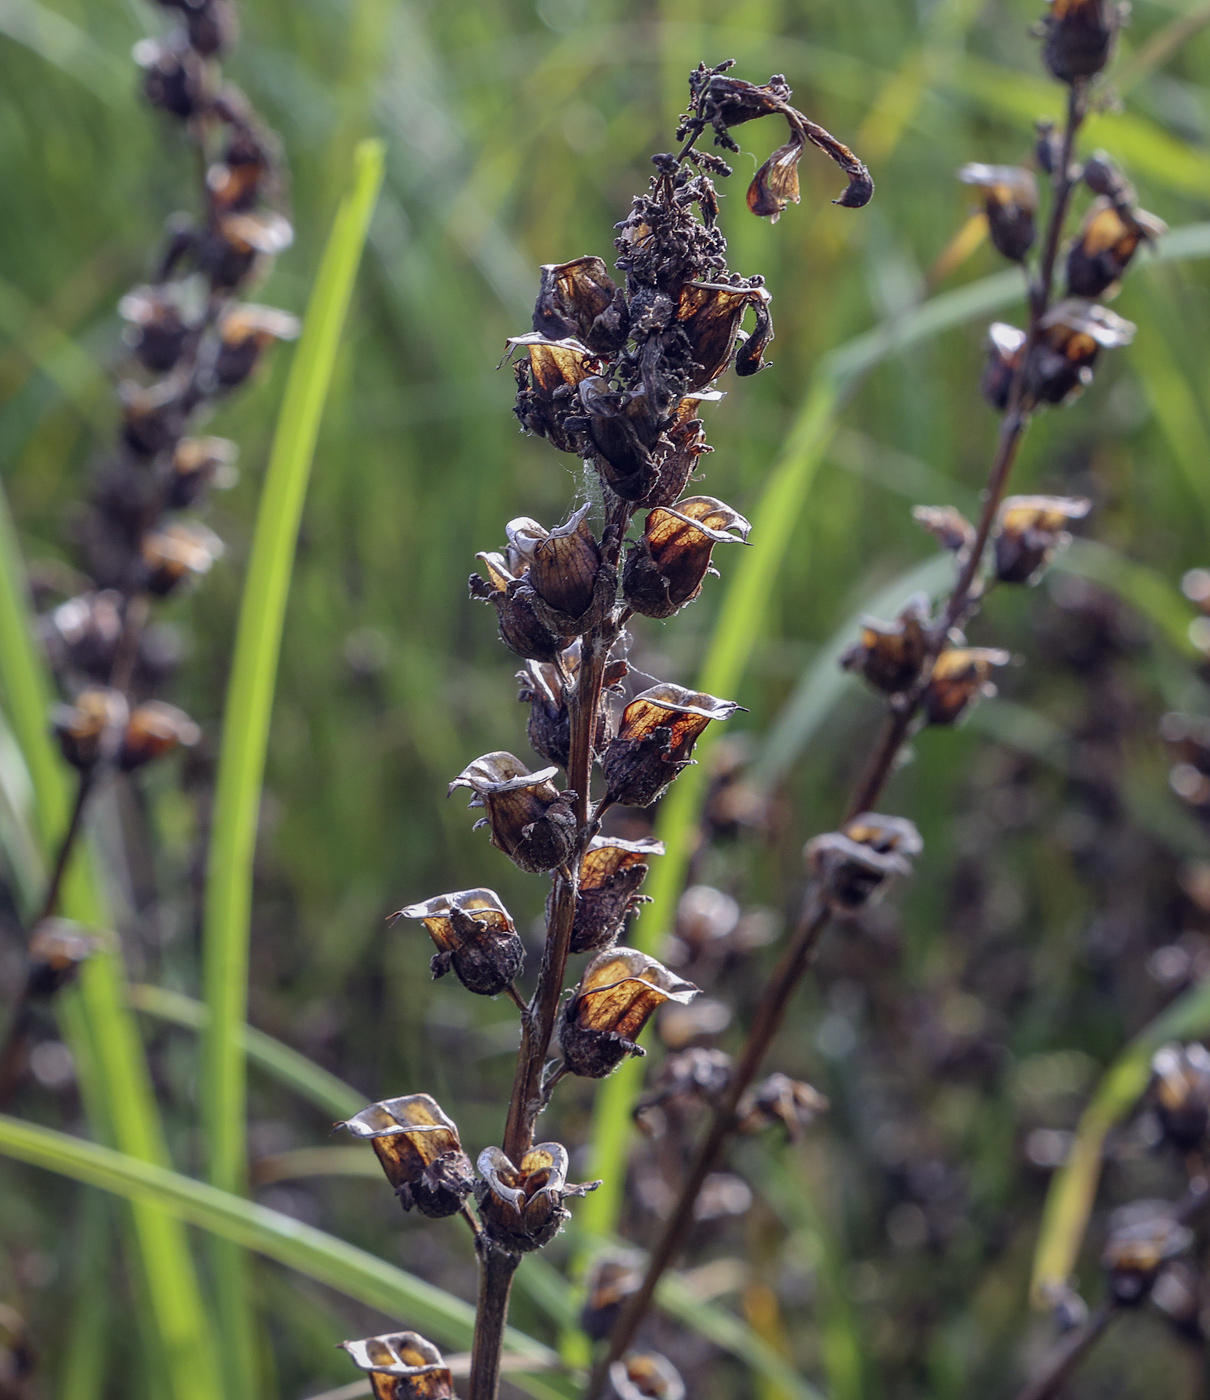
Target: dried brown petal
1030, 530
619, 990
1109, 237
530, 820
775, 184
403, 1366
420, 1151
611, 872
890, 655
579, 299
155, 728
1010, 201
655, 741
959, 678
666, 566
475, 935
522, 1207
710, 314
856, 862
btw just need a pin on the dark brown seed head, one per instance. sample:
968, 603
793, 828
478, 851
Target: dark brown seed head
856, 862
1180, 1086
668, 563
1108, 239
420, 1151
176, 553
890, 654
1029, 531
89, 728
960, 676
521, 1207
655, 741
154, 729
475, 935
530, 820
1074, 332
1080, 36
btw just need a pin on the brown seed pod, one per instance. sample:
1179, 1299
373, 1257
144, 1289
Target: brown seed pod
1030, 530
155, 728
88, 729
1142, 1236
530, 820
666, 566
622, 429
610, 875
475, 935
856, 863
645, 1375
521, 1207
157, 329
619, 990
547, 381
710, 314
58, 949
655, 741
1005, 345
579, 299
245, 332
420, 1151
174, 75
959, 677
196, 463
1080, 36
890, 655
948, 526
1180, 1086
175, 553
521, 630
611, 1280
573, 587
1010, 201
780, 1099
403, 1366
1108, 239
1073, 333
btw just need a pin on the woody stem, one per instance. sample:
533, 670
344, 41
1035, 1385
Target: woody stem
496, 1269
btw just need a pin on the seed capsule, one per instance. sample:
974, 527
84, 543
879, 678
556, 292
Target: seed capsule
948, 526
154, 729
1142, 1237
196, 463
89, 726
245, 332
58, 949
1080, 36
420, 1152
645, 1375
1010, 201
1005, 345
1180, 1083
1109, 237
619, 990
579, 299
521, 630
960, 676
1073, 334
573, 588
530, 820
710, 314
403, 1366
475, 935
1030, 530
655, 741
856, 863
622, 430
157, 330
665, 568
610, 875
176, 553
547, 383
890, 654
780, 1099
611, 1280
174, 76
521, 1207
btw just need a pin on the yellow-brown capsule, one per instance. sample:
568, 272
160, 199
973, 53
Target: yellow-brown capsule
890, 655
573, 587
856, 862
780, 1099
196, 463
611, 872
579, 299
645, 1375
90, 726
1010, 201
530, 820
245, 332
1080, 36
155, 728
1073, 333
402, 1366
611, 1280
710, 314
1180, 1085
1142, 1237
474, 935
666, 566
521, 1207
175, 553
58, 949
547, 380
521, 630
960, 676
623, 429
1109, 237
619, 990
420, 1151
655, 740
1029, 531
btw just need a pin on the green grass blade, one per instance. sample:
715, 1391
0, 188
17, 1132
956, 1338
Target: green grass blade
319, 1256
99, 1027
246, 731
289, 1067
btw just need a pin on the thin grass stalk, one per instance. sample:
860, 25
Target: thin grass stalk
228, 906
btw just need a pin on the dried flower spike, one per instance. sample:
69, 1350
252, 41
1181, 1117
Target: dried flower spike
1030, 530
1010, 201
619, 990
856, 862
475, 935
655, 741
403, 1366
522, 1207
530, 820
960, 676
890, 655
668, 563
611, 872
420, 1151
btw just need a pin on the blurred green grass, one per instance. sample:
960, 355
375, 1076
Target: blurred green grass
516, 134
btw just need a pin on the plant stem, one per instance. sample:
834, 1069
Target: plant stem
816, 913
496, 1270
1071, 1349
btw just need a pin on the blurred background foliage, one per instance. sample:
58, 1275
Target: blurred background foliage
1064, 894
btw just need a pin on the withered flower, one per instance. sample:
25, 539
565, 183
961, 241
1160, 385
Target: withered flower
948, 526
174, 76
655, 741
622, 428
611, 1280
667, 564
475, 935
403, 1366
775, 184
420, 1151
619, 990
686, 441
1030, 531
1010, 201
1079, 37
154, 729
611, 872
547, 380
710, 314
1142, 1236
57, 950
175, 553
1005, 345
522, 1207
544, 689
580, 300
1109, 237
1180, 1082
88, 726
153, 416
521, 630
196, 462
573, 588
530, 820
960, 676
890, 654
646, 1375
1074, 331
157, 330
245, 332
855, 863
780, 1099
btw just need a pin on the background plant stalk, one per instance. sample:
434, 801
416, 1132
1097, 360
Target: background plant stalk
816, 914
